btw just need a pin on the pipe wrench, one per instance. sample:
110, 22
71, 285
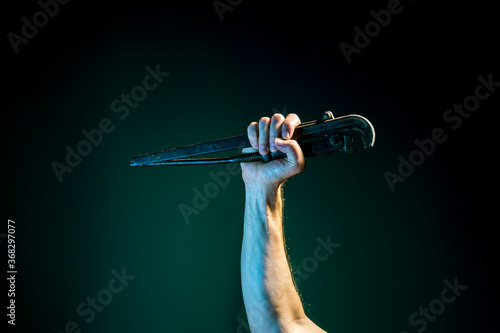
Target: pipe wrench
316, 138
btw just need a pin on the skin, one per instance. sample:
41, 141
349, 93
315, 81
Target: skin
271, 299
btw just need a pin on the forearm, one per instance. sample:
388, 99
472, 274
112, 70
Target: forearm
271, 300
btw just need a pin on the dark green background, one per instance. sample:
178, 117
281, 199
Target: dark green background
396, 248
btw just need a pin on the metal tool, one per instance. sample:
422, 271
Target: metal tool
316, 138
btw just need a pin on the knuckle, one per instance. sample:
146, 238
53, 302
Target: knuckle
264, 120
277, 117
294, 116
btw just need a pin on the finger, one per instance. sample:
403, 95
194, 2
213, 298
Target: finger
263, 143
253, 134
289, 125
293, 153
275, 130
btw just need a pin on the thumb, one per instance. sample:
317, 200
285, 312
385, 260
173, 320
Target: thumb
292, 150
249, 150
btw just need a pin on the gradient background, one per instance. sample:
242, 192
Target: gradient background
396, 248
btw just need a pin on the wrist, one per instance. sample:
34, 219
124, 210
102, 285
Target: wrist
262, 189
263, 202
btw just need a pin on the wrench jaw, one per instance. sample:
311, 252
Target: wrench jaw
367, 131
339, 136
356, 123
327, 145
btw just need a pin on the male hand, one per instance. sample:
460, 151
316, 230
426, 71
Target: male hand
272, 135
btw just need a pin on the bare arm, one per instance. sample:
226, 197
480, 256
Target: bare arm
271, 300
